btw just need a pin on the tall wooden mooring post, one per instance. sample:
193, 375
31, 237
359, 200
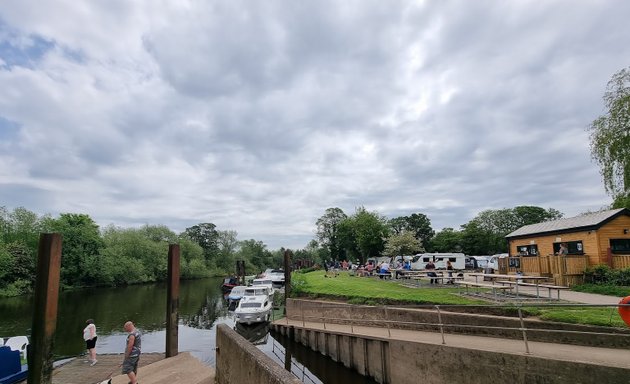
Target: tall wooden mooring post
40, 352
172, 301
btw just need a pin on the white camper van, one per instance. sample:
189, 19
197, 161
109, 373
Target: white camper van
458, 260
493, 262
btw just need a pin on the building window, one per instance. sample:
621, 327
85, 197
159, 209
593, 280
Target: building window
573, 247
620, 245
527, 250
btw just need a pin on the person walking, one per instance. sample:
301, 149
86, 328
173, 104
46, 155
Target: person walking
89, 335
132, 352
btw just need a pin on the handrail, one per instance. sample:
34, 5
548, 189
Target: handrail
440, 325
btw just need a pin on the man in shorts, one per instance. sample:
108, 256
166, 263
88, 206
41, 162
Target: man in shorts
132, 353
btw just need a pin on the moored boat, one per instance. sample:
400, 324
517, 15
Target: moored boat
255, 306
11, 368
234, 297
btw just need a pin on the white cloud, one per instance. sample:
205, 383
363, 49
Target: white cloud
259, 116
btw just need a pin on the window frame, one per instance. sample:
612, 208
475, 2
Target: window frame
575, 247
527, 248
614, 251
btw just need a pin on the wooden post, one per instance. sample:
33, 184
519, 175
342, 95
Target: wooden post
40, 356
172, 301
287, 274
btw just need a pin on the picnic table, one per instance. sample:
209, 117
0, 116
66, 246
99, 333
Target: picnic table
514, 281
441, 276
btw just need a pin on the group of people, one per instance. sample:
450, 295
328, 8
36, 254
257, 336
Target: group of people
133, 348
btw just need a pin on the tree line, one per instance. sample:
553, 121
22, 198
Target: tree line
113, 256
365, 234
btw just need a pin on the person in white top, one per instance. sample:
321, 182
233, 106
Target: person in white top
89, 335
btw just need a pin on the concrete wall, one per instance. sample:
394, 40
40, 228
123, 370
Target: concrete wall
422, 319
402, 362
239, 362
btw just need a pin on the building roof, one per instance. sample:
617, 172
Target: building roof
572, 224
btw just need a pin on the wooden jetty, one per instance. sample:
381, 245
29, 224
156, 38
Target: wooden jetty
153, 369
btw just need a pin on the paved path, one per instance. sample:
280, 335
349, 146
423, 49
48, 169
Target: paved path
567, 295
611, 357
79, 371
154, 369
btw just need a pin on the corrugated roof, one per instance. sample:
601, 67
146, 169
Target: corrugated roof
588, 220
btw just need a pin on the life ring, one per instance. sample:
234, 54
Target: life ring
624, 312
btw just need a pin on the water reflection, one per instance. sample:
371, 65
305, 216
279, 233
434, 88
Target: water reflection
256, 333
202, 307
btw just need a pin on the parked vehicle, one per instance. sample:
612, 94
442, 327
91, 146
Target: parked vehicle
255, 306
493, 262
458, 260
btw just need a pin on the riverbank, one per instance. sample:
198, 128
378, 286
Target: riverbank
374, 291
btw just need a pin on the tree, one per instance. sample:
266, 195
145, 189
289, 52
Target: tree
418, 223
403, 243
327, 231
370, 230
207, 236
81, 247
227, 243
447, 240
610, 136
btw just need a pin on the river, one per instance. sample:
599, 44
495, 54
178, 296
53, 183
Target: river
202, 307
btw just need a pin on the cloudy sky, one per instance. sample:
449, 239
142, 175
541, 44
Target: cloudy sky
258, 115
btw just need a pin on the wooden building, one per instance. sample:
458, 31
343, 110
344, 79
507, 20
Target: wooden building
591, 239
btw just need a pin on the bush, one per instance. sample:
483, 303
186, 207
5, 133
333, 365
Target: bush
603, 275
307, 270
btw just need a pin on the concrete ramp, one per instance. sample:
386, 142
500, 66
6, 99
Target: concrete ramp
182, 368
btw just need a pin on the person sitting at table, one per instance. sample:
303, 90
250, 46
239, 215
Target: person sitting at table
369, 268
449, 270
407, 265
384, 269
430, 267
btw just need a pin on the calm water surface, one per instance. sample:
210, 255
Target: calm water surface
202, 307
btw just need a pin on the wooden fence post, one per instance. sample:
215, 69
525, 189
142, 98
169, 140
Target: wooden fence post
40, 356
172, 301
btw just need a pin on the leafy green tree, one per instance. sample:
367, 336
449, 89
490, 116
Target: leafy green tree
81, 248
207, 236
477, 240
347, 240
256, 253
228, 245
327, 231
447, 240
370, 230
418, 223
403, 243
610, 136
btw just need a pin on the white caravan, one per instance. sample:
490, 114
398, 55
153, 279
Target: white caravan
458, 260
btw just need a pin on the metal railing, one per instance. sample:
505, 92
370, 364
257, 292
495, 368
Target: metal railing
441, 325
279, 352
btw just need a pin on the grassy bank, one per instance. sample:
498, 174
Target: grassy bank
373, 291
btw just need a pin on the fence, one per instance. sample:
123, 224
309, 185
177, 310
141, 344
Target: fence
565, 270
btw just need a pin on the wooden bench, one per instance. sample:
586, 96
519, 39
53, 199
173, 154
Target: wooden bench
493, 287
549, 287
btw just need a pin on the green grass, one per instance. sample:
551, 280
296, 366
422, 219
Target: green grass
364, 290
602, 289
373, 291
607, 317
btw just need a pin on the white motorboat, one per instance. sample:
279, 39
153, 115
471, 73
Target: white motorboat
235, 296
264, 282
255, 306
